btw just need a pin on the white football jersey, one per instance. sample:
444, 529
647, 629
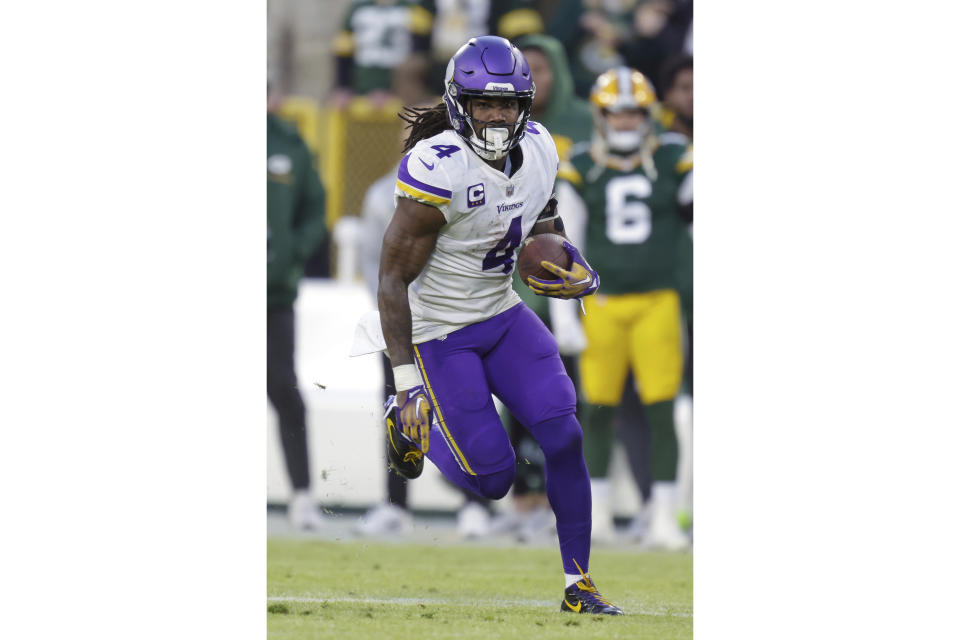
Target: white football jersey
468, 276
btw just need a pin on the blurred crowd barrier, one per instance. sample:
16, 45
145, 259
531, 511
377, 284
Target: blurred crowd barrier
354, 147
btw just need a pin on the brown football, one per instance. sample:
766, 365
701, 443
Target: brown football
543, 246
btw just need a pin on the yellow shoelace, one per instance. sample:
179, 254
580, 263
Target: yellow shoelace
412, 456
587, 585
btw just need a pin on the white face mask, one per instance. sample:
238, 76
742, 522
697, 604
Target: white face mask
497, 143
624, 140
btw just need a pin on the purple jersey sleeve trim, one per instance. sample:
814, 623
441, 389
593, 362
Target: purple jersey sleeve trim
405, 176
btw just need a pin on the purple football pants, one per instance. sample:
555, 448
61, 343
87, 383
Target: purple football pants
515, 357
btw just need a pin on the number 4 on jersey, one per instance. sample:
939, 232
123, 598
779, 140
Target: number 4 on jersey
507, 244
444, 150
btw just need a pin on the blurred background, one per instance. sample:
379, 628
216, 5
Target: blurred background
338, 74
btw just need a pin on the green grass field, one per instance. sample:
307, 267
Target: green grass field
324, 589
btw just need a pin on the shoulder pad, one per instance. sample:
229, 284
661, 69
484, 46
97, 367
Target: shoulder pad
412, 181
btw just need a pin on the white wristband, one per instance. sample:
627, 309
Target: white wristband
406, 376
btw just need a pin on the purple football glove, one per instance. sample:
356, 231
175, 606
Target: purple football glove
581, 280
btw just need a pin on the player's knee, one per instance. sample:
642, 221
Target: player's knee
556, 397
496, 485
560, 435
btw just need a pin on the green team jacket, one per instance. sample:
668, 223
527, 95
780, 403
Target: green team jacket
295, 205
633, 227
569, 121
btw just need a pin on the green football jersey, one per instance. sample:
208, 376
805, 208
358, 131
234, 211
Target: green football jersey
378, 35
633, 222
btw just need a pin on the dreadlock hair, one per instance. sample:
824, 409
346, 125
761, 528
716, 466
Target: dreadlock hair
423, 122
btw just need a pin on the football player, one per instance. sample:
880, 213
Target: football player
628, 187
477, 179
378, 36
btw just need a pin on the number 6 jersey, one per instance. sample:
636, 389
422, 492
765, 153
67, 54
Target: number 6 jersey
633, 222
468, 276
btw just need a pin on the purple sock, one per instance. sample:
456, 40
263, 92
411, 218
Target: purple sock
568, 487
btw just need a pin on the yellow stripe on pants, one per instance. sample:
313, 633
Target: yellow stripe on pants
443, 425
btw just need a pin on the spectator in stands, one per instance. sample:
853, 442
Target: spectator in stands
659, 30
377, 35
591, 31
600, 34
676, 82
556, 106
295, 226
459, 20
410, 82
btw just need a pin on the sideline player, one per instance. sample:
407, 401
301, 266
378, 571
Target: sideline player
630, 182
477, 180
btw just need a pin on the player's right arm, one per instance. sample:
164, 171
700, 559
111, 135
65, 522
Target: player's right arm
407, 245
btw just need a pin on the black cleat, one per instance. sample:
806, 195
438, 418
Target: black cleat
583, 597
404, 457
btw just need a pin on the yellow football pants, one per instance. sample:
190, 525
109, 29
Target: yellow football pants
639, 331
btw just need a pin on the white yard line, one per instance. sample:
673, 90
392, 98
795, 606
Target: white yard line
486, 603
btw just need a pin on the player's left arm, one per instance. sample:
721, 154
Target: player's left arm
549, 221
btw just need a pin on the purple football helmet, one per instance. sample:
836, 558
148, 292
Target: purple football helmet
490, 67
